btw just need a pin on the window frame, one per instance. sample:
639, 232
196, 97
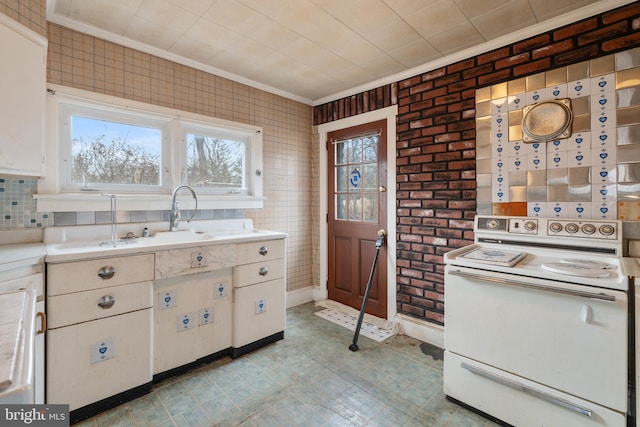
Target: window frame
250, 139
54, 193
69, 109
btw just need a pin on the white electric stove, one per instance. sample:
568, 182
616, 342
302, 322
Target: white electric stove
536, 321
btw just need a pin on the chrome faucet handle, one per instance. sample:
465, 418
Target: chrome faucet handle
175, 207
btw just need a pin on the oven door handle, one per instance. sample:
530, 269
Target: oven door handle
526, 389
570, 292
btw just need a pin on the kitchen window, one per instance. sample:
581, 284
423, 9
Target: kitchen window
141, 152
217, 161
110, 150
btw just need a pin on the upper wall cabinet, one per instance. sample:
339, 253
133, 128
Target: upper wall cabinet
23, 73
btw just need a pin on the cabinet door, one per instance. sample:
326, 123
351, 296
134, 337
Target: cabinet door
180, 335
22, 104
259, 311
75, 373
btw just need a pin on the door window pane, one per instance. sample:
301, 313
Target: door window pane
355, 207
341, 152
370, 177
341, 178
370, 208
341, 206
355, 150
370, 148
355, 179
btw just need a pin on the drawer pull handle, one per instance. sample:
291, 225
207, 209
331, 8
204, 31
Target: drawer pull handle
264, 250
106, 273
106, 302
527, 389
263, 271
43, 323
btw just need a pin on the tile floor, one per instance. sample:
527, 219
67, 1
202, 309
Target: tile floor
310, 378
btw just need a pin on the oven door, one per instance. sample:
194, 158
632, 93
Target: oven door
569, 337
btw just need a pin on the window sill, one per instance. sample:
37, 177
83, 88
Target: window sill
83, 202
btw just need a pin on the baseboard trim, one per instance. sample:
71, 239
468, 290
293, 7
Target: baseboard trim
421, 330
300, 296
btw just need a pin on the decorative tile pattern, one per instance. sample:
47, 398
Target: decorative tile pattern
604, 145
17, 205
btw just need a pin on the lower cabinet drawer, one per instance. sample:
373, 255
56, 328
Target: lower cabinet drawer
63, 310
520, 402
91, 361
248, 274
79, 276
260, 251
258, 311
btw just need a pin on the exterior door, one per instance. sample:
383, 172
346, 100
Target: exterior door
357, 211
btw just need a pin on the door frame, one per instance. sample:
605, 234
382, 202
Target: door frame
388, 113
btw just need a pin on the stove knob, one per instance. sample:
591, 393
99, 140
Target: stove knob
588, 229
492, 224
607, 230
571, 228
555, 227
530, 225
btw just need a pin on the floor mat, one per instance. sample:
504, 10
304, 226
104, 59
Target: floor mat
367, 329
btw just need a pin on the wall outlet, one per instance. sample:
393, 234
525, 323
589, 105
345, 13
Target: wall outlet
186, 321
198, 259
205, 316
167, 299
103, 350
261, 306
220, 290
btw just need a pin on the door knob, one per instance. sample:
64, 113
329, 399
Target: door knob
382, 189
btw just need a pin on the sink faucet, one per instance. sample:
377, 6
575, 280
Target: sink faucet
175, 207
114, 231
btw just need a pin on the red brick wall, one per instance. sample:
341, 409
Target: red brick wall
435, 157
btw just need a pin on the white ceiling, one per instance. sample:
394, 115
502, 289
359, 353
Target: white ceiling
312, 50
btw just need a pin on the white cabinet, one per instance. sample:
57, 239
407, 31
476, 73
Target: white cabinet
259, 302
99, 332
22, 105
191, 320
192, 307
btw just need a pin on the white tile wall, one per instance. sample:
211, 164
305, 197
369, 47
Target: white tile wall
605, 97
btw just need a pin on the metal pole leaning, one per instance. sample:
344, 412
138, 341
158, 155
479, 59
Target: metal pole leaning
379, 243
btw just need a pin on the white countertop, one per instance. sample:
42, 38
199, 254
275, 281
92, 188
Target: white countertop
21, 248
86, 242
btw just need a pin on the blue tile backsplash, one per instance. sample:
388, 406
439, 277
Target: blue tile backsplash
18, 210
17, 205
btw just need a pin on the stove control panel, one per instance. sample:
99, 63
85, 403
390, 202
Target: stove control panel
523, 226
551, 227
577, 228
508, 225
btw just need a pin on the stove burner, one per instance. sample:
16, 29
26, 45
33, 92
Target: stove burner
573, 269
588, 263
